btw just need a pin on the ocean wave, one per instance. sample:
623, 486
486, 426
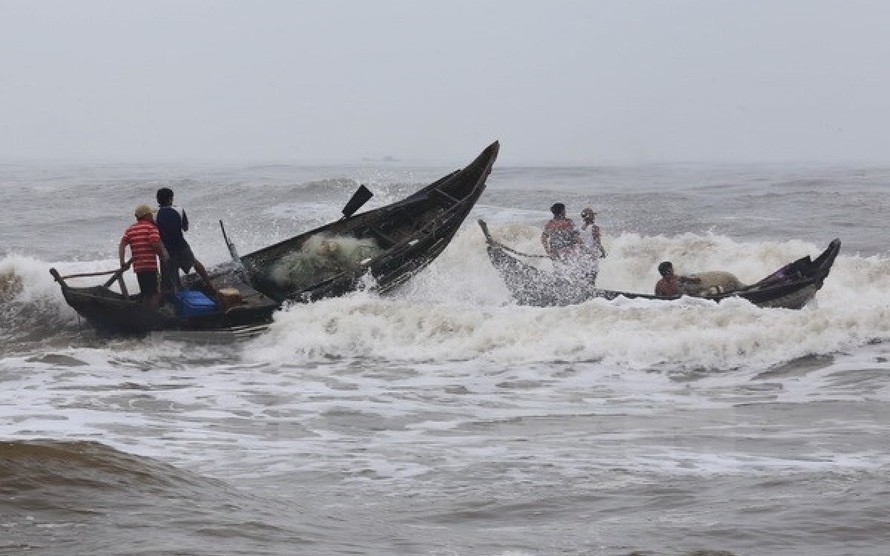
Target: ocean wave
40, 468
33, 311
84, 497
459, 310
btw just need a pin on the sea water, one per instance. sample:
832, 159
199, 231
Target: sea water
444, 419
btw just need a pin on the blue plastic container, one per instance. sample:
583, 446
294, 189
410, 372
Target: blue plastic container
191, 303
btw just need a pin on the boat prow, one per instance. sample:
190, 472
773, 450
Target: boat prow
389, 244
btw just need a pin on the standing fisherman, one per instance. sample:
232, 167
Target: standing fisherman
145, 244
590, 235
172, 222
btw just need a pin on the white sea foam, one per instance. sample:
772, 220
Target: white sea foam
459, 310
30, 292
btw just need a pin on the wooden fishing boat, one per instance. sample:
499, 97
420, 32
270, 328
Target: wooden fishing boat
378, 249
791, 287
194, 309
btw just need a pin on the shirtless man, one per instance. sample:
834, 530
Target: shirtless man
669, 285
560, 238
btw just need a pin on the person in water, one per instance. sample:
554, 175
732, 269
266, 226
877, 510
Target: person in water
670, 283
594, 250
561, 240
144, 241
172, 222
590, 233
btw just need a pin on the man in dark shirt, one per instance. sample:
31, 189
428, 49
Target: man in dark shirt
172, 221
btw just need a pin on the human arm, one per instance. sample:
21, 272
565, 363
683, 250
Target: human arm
598, 241
157, 245
121, 252
159, 250
598, 250
185, 221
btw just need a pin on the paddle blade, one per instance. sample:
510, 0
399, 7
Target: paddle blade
359, 198
232, 251
484, 227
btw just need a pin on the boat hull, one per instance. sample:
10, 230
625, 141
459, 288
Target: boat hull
114, 313
407, 236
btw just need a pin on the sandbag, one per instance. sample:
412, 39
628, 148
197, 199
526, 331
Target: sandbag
713, 282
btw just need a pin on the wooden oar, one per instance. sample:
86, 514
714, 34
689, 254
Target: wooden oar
359, 198
117, 274
85, 274
232, 251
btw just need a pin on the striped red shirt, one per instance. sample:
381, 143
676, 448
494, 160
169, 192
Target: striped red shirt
140, 237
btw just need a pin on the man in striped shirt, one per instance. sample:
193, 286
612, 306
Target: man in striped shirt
145, 244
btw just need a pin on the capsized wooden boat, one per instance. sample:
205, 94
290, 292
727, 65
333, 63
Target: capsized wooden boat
791, 287
378, 249
118, 312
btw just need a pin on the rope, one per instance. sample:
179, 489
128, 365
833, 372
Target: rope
520, 253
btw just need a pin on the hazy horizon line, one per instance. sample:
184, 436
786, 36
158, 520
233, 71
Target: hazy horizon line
396, 162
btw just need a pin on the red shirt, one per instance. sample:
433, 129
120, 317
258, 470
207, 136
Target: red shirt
140, 237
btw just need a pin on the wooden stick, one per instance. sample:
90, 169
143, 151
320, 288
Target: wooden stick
85, 274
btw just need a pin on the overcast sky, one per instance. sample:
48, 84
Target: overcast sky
584, 81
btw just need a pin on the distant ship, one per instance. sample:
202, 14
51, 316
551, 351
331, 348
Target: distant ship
387, 158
